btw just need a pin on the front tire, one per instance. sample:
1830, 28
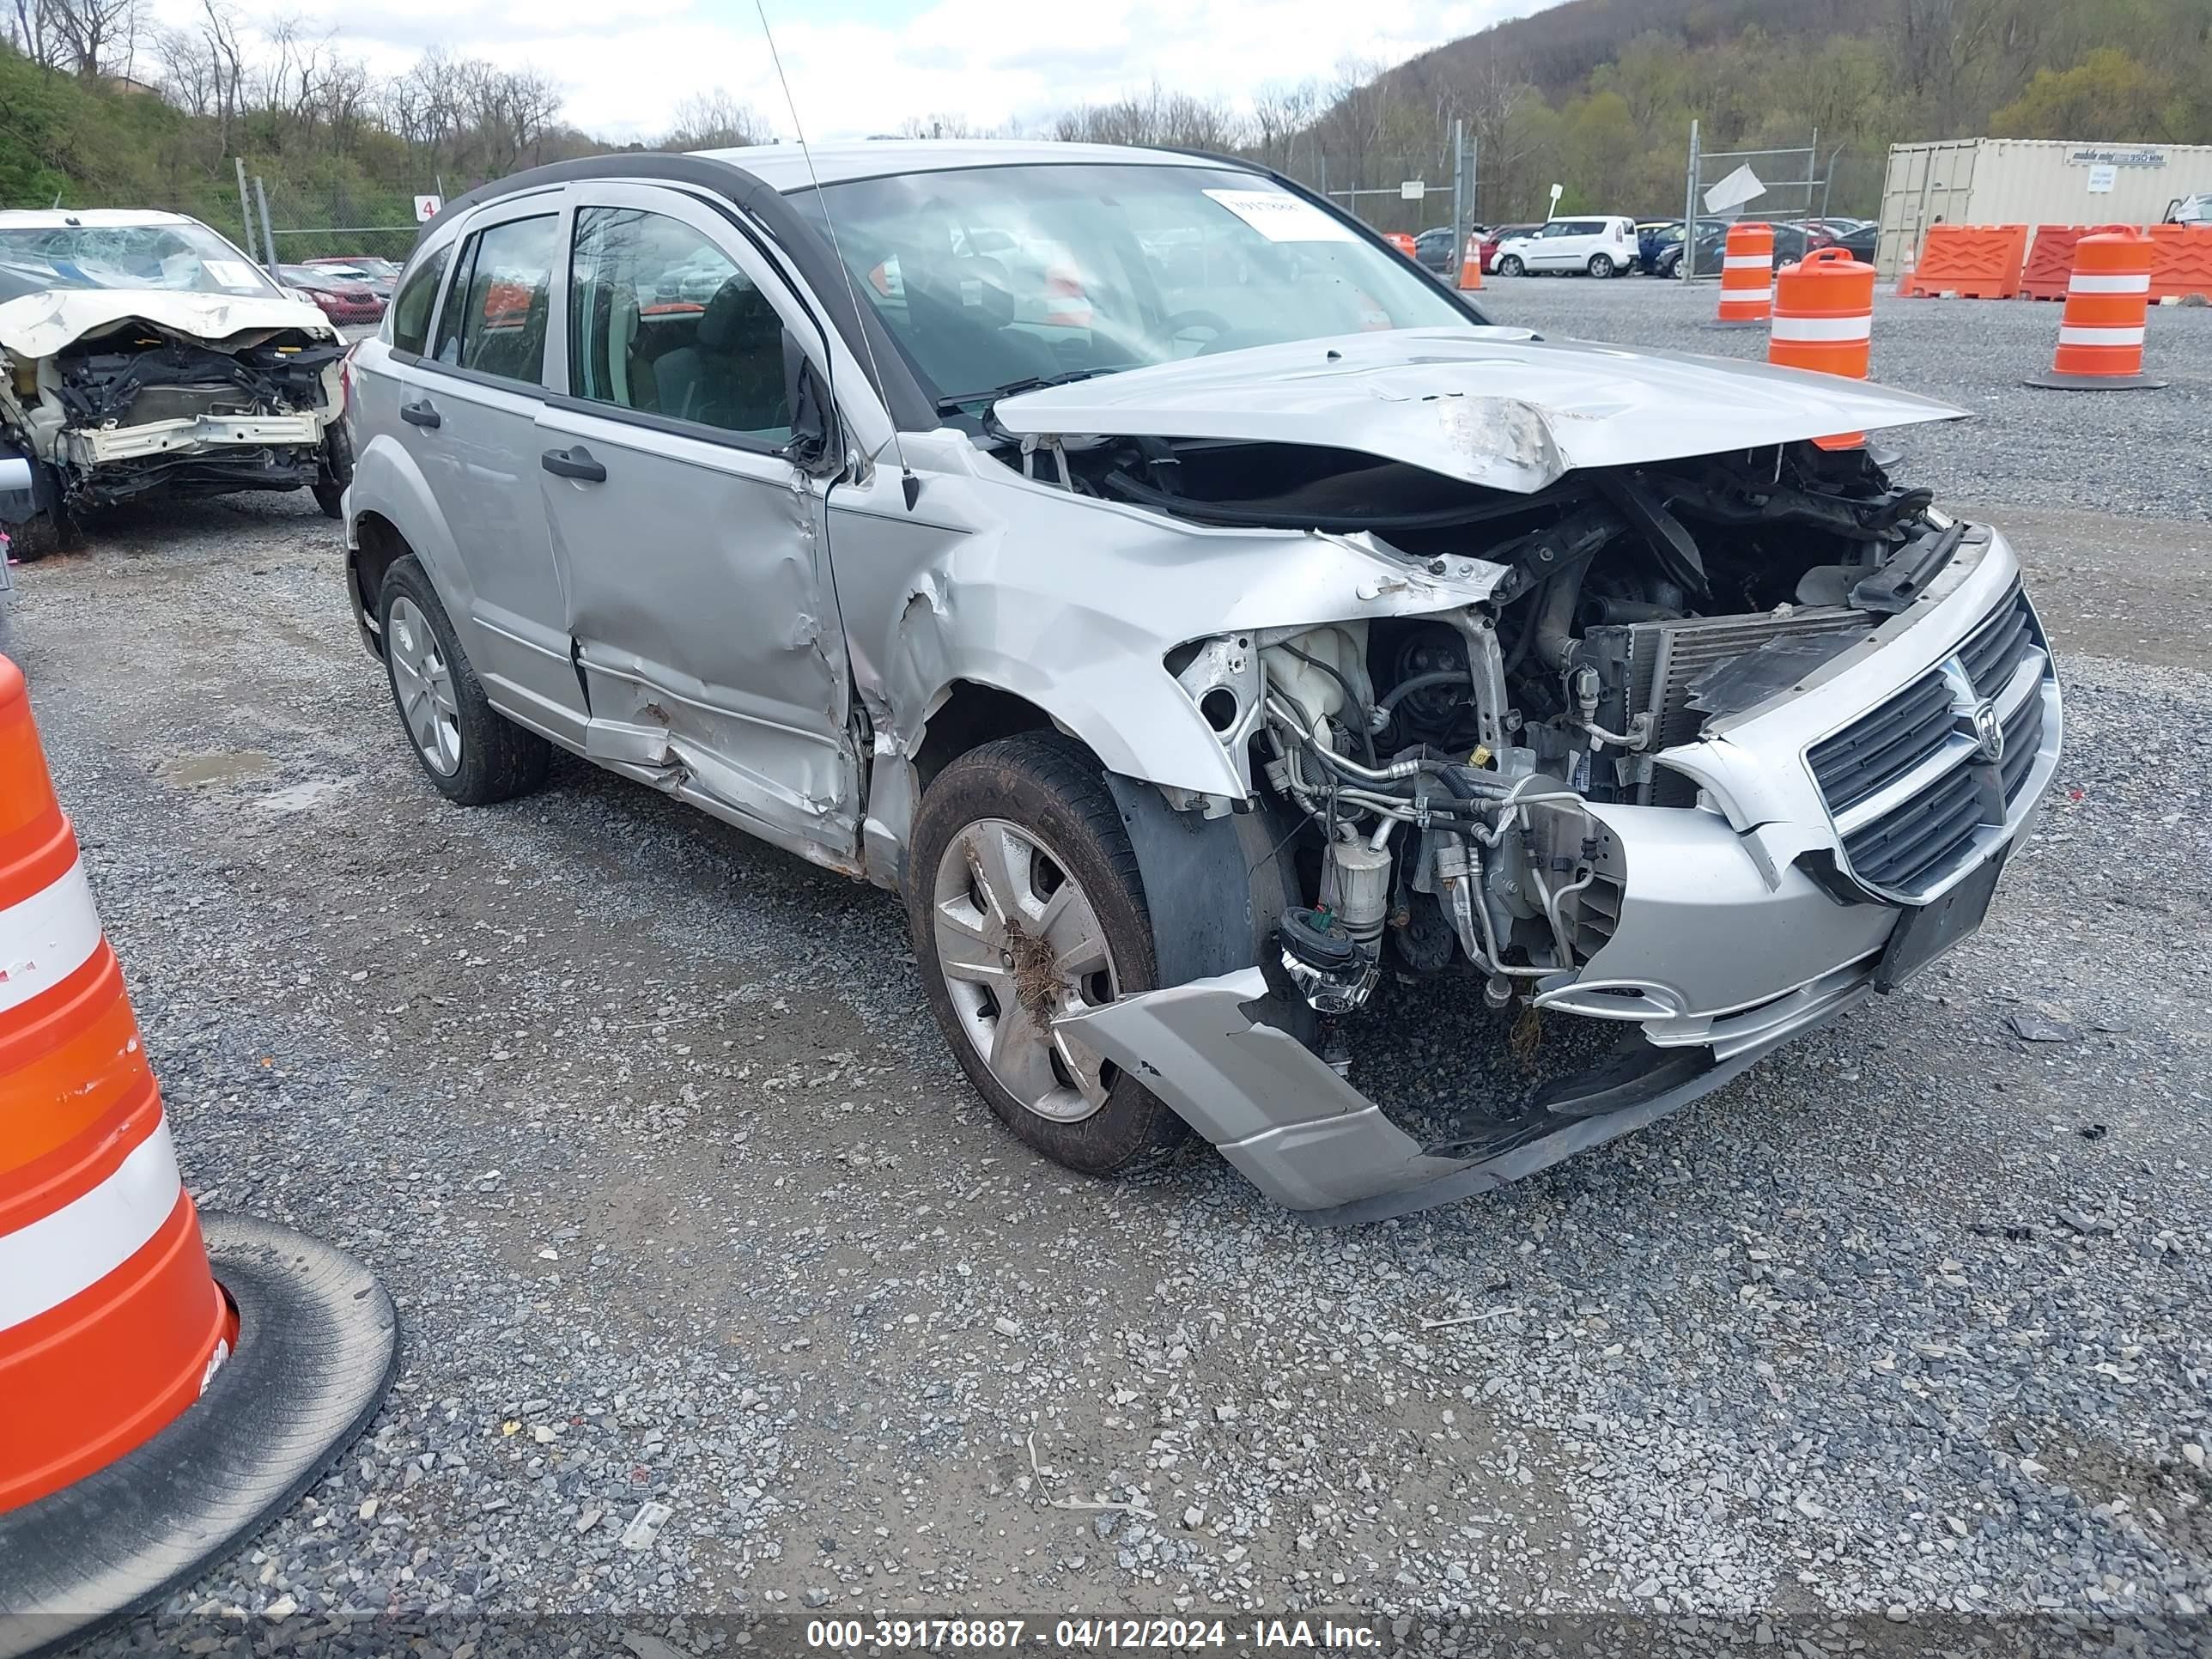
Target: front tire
336, 471
475, 754
1024, 902
1509, 265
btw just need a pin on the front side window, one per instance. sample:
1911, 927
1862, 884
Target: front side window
662, 321
411, 305
986, 277
494, 321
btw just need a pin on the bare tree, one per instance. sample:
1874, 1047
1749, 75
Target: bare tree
937, 126
1174, 119
31, 33
716, 120
1281, 115
92, 35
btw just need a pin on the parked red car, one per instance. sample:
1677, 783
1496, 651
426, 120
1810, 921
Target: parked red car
345, 303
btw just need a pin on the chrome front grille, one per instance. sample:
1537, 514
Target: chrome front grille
1911, 785
1902, 848
1993, 651
1884, 745
2023, 736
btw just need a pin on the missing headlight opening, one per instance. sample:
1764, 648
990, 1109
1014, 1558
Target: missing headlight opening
1444, 766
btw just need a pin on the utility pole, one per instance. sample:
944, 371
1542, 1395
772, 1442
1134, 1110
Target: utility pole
268, 236
1689, 265
1459, 192
244, 207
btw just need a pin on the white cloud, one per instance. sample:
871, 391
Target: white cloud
625, 65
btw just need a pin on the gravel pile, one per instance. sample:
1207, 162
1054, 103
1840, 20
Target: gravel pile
2111, 451
647, 1130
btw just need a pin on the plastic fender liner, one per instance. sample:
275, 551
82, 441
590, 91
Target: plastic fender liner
1213, 886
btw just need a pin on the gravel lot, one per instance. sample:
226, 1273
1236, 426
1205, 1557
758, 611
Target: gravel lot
647, 1129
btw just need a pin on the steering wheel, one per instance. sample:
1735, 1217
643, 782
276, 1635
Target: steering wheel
1184, 322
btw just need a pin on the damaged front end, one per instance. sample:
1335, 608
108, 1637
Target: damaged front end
1733, 742
137, 406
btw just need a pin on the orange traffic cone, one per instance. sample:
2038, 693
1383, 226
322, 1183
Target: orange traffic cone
2100, 334
153, 1409
1470, 266
1824, 320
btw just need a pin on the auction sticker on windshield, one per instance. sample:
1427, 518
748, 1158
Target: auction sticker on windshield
230, 273
1281, 218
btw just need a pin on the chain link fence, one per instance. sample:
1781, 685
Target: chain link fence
307, 219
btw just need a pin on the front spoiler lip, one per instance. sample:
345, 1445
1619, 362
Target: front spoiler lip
1340, 1161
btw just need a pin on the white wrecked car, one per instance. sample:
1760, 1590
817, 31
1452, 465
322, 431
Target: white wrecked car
143, 351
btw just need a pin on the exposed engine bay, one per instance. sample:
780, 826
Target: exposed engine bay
138, 406
1442, 767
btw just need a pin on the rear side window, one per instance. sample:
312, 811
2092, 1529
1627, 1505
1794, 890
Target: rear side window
662, 321
412, 307
494, 321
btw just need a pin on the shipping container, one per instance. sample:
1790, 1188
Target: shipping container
2029, 182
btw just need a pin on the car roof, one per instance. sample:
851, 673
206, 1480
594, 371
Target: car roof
95, 218
784, 166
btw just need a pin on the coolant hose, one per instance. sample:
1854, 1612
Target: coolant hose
1555, 622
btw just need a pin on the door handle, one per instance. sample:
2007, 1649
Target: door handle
420, 414
575, 463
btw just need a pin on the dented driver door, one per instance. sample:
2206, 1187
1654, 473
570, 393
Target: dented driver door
689, 541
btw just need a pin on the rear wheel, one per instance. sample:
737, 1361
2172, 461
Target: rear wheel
1600, 264
1025, 904
1509, 264
473, 754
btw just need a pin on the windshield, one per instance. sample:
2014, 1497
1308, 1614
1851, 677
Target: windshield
188, 258
995, 278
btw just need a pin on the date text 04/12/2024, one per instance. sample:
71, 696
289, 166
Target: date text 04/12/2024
984, 1635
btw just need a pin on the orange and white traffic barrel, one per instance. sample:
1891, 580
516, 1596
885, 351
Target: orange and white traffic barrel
116, 1338
1470, 266
2100, 334
1066, 306
1824, 320
1747, 274
110, 1320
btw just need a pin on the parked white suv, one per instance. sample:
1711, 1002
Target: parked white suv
1603, 246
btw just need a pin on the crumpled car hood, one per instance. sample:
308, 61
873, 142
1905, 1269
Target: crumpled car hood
39, 325
1491, 406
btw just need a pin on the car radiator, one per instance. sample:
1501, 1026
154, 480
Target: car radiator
1686, 671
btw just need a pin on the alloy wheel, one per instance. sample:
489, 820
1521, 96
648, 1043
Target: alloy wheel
424, 682
1019, 945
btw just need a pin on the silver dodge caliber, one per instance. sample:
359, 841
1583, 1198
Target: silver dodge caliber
1221, 636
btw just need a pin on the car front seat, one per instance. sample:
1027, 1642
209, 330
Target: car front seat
732, 376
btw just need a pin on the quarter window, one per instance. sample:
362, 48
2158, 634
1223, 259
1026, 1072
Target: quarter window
494, 321
410, 310
662, 321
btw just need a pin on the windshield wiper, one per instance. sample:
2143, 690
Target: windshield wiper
956, 403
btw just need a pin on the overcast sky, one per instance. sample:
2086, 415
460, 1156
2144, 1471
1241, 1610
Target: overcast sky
861, 66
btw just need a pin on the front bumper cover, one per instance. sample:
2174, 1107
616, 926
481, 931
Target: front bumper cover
1727, 947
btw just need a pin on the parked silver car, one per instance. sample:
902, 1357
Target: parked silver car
1210, 625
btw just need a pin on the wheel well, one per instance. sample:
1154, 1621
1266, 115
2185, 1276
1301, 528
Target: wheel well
382, 546
970, 716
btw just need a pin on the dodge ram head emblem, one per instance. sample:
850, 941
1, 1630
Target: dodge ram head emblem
1988, 731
